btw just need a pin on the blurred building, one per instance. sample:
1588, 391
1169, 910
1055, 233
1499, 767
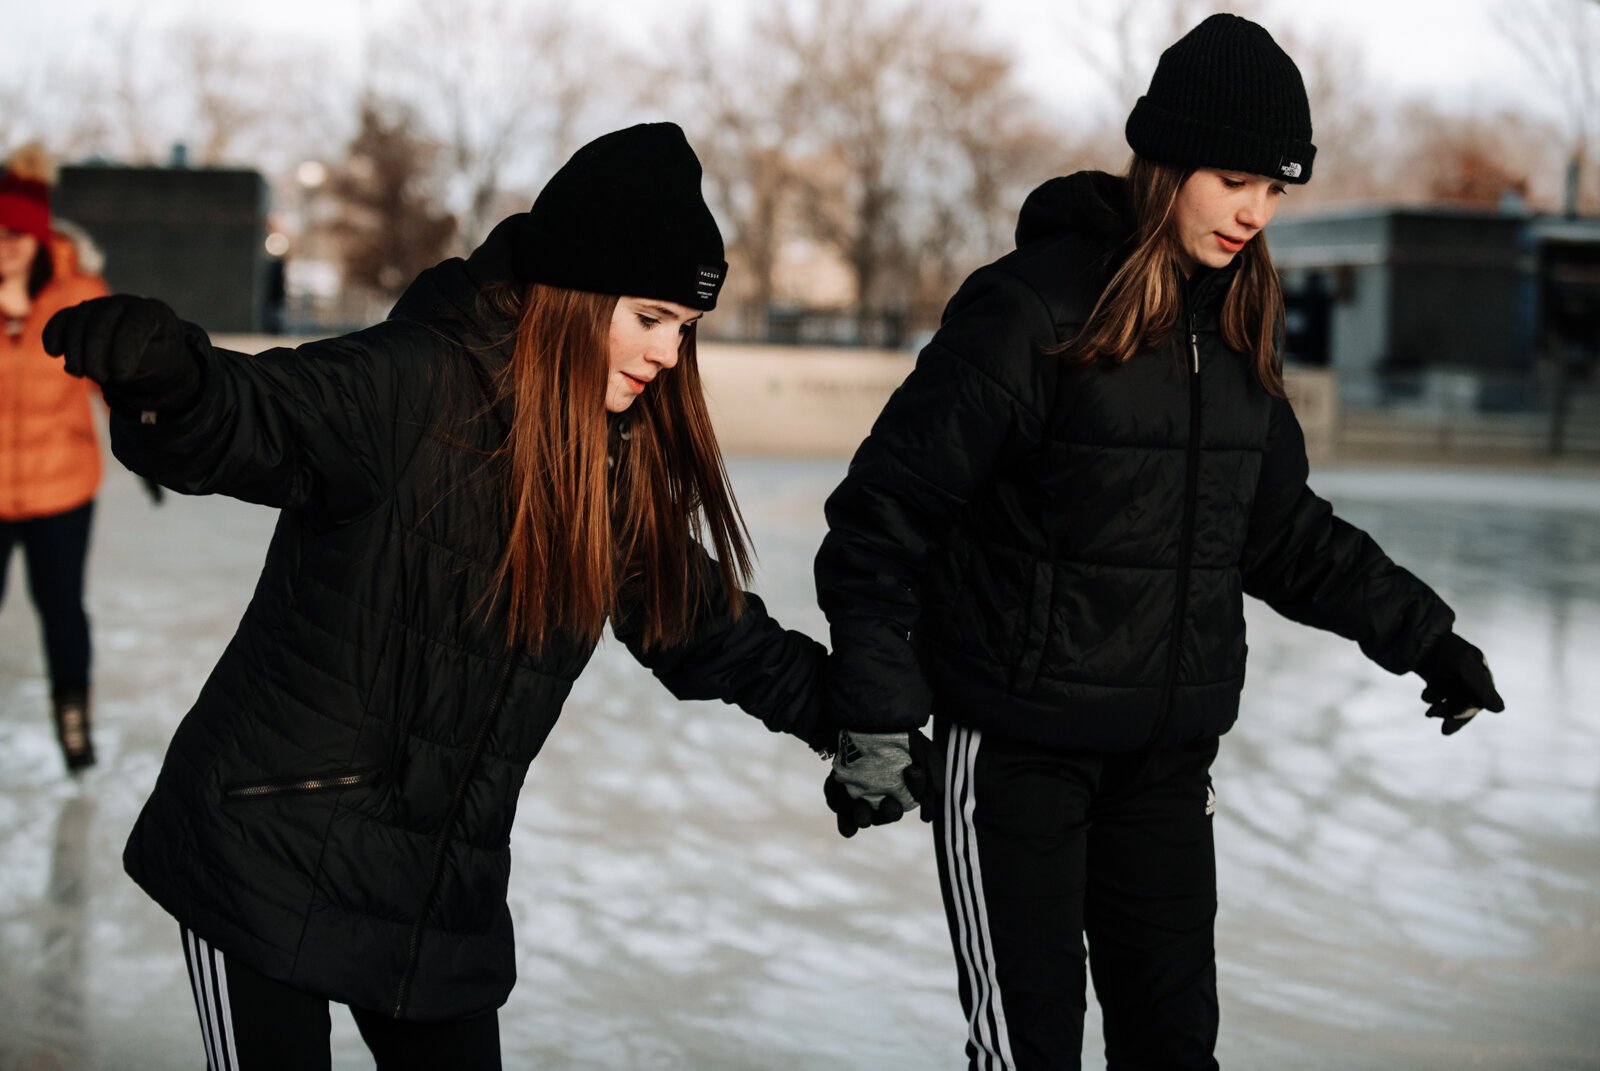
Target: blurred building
1478, 325
1569, 291
1392, 289
193, 237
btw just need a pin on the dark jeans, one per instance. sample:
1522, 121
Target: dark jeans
55, 549
250, 1022
1038, 849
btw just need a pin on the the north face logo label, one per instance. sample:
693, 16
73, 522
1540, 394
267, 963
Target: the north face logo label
1289, 169
1211, 800
707, 281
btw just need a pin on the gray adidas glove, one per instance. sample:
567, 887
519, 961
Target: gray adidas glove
878, 777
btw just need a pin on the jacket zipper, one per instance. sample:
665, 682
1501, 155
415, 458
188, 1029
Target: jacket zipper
1186, 537
414, 944
260, 789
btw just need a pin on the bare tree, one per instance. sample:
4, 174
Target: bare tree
884, 136
111, 104
987, 143
391, 224
17, 118
742, 110
1353, 152
1122, 42
229, 96
1476, 160
242, 100
134, 91
1560, 41
909, 143
101, 98
503, 84
860, 136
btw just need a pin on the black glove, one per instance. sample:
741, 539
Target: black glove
153, 489
1459, 683
133, 347
877, 777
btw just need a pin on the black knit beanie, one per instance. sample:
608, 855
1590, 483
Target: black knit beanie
1226, 96
625, 216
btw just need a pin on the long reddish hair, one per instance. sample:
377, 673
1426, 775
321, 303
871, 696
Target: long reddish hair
1139, 307
590, 537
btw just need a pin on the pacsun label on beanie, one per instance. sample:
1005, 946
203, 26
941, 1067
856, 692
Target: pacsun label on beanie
707, 281
1289, 168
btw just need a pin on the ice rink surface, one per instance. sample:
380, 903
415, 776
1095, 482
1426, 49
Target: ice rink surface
1390, 899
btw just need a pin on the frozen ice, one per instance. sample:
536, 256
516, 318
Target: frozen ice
1389, 898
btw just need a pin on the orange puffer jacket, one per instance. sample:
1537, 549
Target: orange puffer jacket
49, 449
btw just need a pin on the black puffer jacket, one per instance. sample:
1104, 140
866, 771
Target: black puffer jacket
336, 808
1059, 552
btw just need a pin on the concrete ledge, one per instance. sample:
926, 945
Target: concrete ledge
793, 401
783, 400
819, 401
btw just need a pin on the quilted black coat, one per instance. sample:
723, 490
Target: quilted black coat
335, 810
1058, 551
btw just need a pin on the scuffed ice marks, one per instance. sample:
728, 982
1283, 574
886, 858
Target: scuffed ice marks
1389, 898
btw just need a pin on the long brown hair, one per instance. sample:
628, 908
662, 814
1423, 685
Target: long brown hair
585, 541
1138, 309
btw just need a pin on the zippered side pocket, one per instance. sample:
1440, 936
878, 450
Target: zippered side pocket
299, 786
1033, 634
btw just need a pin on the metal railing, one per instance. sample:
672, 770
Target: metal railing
1486, 415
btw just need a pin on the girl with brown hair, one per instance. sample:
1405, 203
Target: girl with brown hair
1044, 545
468, 492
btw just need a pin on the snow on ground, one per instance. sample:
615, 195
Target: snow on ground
1390, 898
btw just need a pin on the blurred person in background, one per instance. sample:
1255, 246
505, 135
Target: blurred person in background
49, 450
468, 492
1045, 543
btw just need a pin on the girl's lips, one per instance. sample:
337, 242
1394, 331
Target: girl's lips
1232, 245
635, 383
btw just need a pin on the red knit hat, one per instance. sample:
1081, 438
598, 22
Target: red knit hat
25, 192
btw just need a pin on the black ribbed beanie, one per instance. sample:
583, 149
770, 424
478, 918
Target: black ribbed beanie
625, 216
1226, 96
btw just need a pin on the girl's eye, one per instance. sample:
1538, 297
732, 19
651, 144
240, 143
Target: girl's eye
1280, 191
646, 321
685, 329
1233, 183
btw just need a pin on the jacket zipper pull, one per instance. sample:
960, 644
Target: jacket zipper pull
1194, 348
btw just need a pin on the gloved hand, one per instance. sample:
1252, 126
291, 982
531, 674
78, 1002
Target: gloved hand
877, 777
134, 347
153, 489
1459, 683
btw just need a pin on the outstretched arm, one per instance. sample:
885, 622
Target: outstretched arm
323, 424
1316, 569
748, 659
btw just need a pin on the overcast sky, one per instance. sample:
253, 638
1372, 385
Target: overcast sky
1448, 49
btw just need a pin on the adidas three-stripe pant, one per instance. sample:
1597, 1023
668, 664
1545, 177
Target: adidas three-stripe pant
250, 1022
1039, 849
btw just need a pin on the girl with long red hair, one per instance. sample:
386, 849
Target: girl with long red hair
469, 491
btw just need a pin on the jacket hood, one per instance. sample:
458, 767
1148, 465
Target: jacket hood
1093, 204
447, 296
75, 253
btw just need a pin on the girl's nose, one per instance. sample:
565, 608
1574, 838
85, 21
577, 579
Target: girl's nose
665, 352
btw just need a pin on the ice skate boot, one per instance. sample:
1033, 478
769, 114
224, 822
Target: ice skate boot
72, 729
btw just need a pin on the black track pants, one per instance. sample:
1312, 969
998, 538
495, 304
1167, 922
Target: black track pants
251, 1023
55, 549
1038, 849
